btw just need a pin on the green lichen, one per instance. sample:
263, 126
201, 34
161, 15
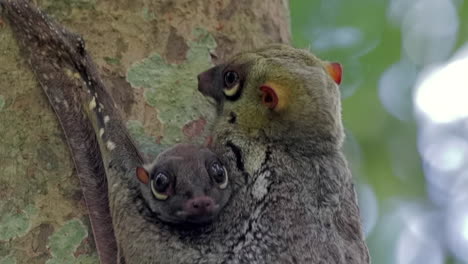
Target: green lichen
63, 8
146, 143
13, 222
171, 88
112, 60
63, 244
8, 260
147, 14
2, 102
87, 260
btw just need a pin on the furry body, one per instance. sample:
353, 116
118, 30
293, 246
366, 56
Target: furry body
292, 200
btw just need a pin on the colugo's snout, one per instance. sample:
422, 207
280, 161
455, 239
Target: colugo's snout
209, 83
200, 206
199, 210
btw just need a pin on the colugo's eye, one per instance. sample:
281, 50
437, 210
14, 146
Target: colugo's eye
230, 78
159, 185
231, 83
219, 174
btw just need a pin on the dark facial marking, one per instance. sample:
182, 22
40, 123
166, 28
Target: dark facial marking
232, 118
209, 83
217, 82
238, 154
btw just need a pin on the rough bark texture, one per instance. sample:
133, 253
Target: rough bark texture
146, 51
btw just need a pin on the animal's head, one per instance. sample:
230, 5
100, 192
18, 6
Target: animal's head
185, 184
279, 92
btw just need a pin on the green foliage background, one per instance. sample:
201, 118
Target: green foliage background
380, 136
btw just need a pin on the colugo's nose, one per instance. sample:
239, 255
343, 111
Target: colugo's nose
205, 81
210, 83
201, 205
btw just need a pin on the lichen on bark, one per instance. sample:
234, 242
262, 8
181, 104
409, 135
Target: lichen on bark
170, 88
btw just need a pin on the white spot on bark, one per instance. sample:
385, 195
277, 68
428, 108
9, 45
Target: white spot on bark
92, 104
110, 145
106, 119
101, 132
69, 72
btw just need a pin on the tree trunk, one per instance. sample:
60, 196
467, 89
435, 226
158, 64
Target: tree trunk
148, 53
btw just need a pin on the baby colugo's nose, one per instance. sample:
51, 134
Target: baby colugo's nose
200, 205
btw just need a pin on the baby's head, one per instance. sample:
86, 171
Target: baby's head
185, 184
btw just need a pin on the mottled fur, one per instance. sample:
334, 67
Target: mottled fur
298, 200
293, 199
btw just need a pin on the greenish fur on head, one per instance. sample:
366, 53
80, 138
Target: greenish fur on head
308, 108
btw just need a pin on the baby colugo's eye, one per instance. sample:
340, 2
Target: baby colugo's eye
159, 186
219, 174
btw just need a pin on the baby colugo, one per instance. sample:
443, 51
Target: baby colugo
186, 184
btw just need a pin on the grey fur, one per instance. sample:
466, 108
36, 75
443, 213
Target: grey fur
292, 200
299, 197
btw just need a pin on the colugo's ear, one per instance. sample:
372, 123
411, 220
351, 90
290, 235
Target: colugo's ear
142, 175
335, 71
274, 96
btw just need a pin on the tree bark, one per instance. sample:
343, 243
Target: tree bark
148, 54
